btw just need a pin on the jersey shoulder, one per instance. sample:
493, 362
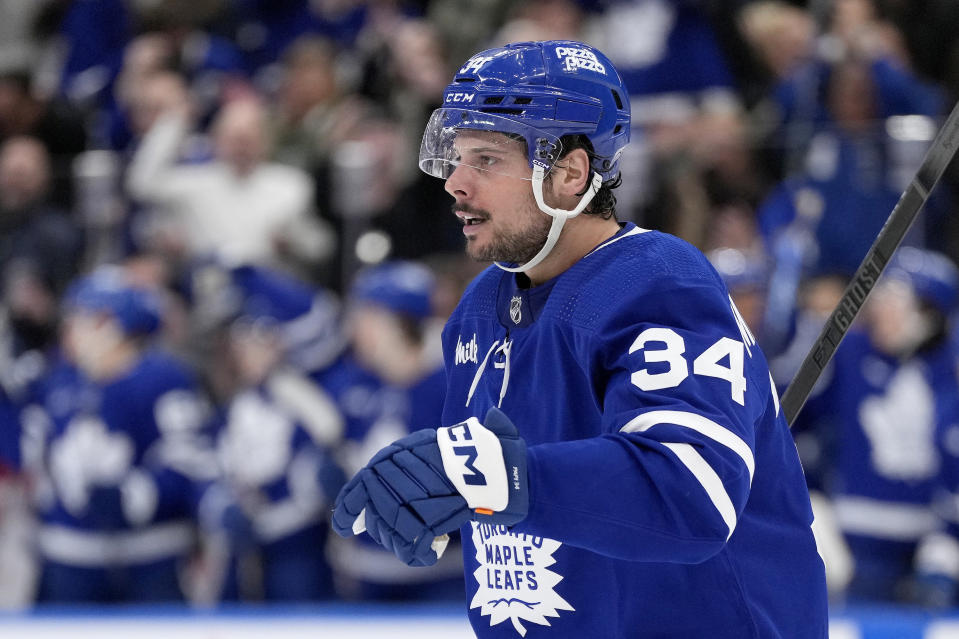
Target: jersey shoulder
645, 270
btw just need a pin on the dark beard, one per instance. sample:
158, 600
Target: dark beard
518, 248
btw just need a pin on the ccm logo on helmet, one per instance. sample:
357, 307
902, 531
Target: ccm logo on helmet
577, 58
460, 97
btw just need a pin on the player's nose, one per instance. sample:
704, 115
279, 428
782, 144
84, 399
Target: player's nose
459, 184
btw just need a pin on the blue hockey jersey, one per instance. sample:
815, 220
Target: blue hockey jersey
139, 433
880, 423
666, 495
275, 446
377, 413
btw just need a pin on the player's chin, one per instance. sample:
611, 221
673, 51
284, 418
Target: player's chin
476, 250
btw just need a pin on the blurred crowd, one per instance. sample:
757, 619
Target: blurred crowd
222, 277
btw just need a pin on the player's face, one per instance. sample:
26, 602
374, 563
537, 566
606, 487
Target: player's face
892, 315
256, 352
89, 339
501, 220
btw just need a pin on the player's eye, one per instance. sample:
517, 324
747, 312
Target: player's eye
486, 161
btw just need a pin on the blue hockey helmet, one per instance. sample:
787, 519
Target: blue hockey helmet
305, 319
740, 270
401, 287
138, 310
540, 91
932, 276
268, 295
534, 92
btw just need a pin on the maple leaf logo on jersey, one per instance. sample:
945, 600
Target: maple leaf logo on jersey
513, 578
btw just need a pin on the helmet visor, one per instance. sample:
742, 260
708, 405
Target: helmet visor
485, 142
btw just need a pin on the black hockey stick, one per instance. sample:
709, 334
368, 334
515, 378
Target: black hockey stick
937, 158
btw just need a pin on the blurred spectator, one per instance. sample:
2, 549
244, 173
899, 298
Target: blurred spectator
892, 386
56, 124
824, 218
34, 232
276, 443
19, 47
314, 117
17, 566
549, 20
412, 200
389, 384
211, 63
678, 79
145, 57
313, 113
783, 35
929, 30
266, 28
467, 25
856, 75
90, 39
116, 452
239, 207
40, 245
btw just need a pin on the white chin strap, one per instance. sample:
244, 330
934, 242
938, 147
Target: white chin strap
559, 217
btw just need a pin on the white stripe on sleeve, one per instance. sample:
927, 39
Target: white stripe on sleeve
772, 385
698, 423
710, 481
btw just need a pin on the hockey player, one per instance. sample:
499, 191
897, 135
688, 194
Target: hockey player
891, 388
390, 383
278, 433
612, 450
118, 452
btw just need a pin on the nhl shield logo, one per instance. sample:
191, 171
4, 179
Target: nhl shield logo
516, 309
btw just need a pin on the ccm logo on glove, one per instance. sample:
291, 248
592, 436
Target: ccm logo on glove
475, 462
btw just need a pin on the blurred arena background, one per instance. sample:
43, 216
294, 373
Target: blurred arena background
222, 278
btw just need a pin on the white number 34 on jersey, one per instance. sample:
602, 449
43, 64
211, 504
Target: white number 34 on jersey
708, 363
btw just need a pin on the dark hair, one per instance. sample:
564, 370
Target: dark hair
603, 203
939, 329
413, 329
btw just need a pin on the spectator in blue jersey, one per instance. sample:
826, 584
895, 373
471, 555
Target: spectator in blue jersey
890, 393
118, 452
276, 442
610, 431
389, 384
851, 175
680, 85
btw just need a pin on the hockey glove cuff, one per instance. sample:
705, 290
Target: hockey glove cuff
487, 464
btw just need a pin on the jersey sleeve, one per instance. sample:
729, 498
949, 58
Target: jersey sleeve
682, 386
181, 460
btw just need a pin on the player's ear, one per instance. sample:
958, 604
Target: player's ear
576, 176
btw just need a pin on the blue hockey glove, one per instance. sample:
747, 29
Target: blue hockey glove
428, 484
